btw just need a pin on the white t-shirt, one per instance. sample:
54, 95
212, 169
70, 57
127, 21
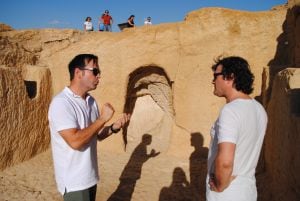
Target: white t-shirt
74, 169
242, 122
147, 22
88, 25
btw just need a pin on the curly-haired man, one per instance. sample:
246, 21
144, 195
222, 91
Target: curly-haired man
237, 135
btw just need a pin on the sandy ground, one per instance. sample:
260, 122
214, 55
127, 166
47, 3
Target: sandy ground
34, 179
30, 180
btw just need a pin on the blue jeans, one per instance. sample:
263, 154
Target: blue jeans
107, 27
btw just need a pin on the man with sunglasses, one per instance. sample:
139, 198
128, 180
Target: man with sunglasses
107, 21
75, 125
236, 136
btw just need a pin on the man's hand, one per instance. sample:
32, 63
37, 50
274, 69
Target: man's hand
107, 112
213, 183
115, 127
121, 122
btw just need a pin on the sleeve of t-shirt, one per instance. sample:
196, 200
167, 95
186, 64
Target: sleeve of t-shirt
62, 115
228, 126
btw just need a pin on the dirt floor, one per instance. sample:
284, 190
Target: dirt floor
30, 180
33, 180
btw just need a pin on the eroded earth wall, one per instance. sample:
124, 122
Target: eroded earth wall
161, 74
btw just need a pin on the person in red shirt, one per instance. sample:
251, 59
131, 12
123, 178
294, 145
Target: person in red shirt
107, 21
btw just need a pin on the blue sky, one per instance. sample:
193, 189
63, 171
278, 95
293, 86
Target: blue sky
36, 14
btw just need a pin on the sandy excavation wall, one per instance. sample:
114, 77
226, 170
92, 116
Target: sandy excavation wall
161, 74
283, 136
23, 123
184, 51
26, 91
282, 142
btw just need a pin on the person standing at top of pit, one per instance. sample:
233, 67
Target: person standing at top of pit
88, 25
107, 21
130, 21
148, 21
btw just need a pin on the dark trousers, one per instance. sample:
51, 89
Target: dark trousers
82, 195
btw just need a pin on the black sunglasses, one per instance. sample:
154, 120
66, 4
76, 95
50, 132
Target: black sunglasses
96, 71
216, 75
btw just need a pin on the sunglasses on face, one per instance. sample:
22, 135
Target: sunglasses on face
216, 75
96, 71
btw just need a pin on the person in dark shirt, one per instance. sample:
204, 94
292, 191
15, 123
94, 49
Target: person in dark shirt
130, 21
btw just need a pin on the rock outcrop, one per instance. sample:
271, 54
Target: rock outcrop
5, 27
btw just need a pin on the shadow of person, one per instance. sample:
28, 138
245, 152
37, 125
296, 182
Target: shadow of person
133, 169
198, 166
179, 190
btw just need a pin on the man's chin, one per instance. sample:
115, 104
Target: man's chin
216, 94
94, 87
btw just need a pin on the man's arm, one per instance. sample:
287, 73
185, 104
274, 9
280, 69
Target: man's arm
77, 138
223, 166
108, 130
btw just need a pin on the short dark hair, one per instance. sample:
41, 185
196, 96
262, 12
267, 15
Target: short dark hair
80, 61
236, 68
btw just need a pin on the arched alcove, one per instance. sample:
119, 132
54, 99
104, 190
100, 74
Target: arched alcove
149, 99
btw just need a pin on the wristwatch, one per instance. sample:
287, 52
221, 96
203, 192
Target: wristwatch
114, 130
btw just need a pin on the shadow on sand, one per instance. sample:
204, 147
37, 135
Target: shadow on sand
133, 169
180, 189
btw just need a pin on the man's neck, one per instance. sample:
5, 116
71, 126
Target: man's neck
236, 95
78, 91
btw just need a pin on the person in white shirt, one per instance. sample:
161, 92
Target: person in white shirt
148, 21
75, 125
237, 135
88, 25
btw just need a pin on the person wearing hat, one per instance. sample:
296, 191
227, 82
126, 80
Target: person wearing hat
107, 21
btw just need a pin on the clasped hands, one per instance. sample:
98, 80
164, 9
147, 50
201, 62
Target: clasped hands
107, 113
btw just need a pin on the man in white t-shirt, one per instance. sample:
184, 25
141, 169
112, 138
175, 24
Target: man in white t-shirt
148, 21
75, 125
237, 135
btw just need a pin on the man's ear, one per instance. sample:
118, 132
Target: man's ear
231, 78
78, 73
229, 81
